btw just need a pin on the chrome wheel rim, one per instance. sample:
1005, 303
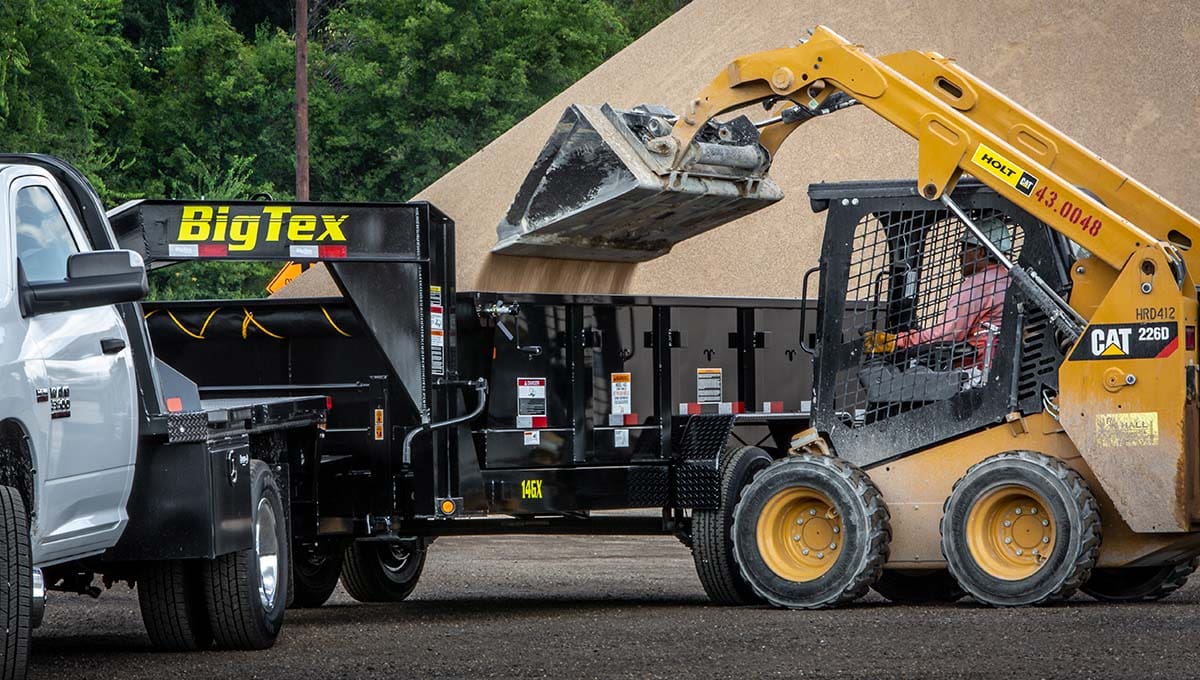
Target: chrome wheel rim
266, 547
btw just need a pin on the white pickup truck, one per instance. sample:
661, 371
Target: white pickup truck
110, 463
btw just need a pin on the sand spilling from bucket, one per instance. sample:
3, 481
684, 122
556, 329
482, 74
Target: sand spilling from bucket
1117, 76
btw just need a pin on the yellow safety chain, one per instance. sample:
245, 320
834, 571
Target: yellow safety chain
247, 320
331, 323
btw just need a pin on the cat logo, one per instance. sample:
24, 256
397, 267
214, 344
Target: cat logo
531, 488
1111, 342
1005, 170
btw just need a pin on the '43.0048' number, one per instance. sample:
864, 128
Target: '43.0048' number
1069, 211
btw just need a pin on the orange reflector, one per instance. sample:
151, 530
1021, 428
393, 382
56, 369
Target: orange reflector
448, 507
174, 404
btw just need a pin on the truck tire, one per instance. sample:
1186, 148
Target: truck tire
16, 585
375, 571
811, 532
1139, 584
712, 531
1019, 529
918, 586
315, 574
246, 591
171, 597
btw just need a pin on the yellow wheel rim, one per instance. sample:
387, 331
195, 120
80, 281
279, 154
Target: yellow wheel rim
1010, 532
799, 534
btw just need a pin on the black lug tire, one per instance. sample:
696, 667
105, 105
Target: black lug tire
918, 586
712, 531
1076, 519
366, 578
16, 585
314, 577
171, 597
865, 541
236, 612
1139, 584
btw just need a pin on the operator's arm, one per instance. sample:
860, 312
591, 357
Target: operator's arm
954, 323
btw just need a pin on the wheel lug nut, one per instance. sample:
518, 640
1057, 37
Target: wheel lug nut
820, 556
1008, 539
1033, 511
804, 552
837, 530
799, 520
796, 537
1045, 539
812, 512
1007, 523
1045, 522
833, 546
1020, 552
1034, 551
1018, 511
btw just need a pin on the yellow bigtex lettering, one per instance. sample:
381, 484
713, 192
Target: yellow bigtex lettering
531, 488
243, 232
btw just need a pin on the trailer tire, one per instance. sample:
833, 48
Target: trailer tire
1020, 528
1139, 584
246, 591
375, 571
712, 531
16, 584
171, 597
918, 586
784, 559
315, 575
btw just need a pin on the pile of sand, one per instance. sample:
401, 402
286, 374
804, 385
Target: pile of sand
1118, 76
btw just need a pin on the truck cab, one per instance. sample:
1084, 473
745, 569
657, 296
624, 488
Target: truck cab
110, 462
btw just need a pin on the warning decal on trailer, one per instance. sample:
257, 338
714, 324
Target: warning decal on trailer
531, 396
708, 386
437, 344
622, 393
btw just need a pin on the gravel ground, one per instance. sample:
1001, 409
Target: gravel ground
583, 607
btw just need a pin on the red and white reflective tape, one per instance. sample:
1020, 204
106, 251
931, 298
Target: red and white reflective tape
531, 422
772, 407
622, 420
296, 252
692, 408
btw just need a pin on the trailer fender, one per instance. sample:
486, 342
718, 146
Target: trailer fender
702, 444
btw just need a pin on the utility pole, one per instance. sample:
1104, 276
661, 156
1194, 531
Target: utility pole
301, 100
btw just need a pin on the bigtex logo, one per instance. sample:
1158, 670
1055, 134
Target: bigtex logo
272, 224
1007, 171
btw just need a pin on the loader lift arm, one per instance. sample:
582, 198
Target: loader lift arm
959, 124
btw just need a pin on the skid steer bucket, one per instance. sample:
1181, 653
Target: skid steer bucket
603, 187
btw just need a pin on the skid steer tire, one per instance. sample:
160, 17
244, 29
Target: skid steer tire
246, 591
374, 571
171, 597
918, 586
1139, 584
811, 532
16, 585
315, 575
1019, 529
712, 531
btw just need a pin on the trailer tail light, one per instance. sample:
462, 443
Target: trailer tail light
212, 250
332, 252
328, 403
1189, 338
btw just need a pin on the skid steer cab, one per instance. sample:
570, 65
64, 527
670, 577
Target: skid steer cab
949, 453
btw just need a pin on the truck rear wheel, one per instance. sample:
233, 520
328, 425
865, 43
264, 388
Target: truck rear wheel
1139, 584
171, 597
375, 571
315, 574
1020, 528
811, 532
712, 538
16, 584
918, 586
246, 591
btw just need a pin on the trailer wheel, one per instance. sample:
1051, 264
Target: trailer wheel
374, 571
811, 532
246, 591
712, 536
16, 584
1139, 584
1020, 528
171, 597
315, 574
918, 586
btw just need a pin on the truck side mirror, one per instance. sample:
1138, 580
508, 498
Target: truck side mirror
94, 279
